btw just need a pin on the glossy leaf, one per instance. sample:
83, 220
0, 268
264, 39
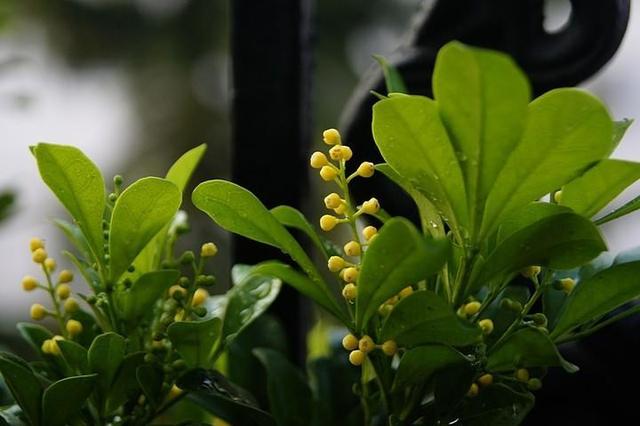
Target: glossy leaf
138, 301
482, 98
24, 387
598, 295
418, 365
599, 185
140, 212
196, 341
181, 171
289, 394
627, 208
125, 384
399, 256
413, 141
34, 334
392, 78
75, 355
105, 356
423, 318
567, 130
65, 398
74, 235
293, 218
528, 347
213, 392
78, 184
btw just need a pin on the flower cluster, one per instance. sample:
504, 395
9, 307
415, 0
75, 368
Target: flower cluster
361, 347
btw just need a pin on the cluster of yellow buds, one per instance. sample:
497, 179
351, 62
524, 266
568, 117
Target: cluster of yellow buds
359, 348
50, 346
482, 381
471, 309
59, 291
343, 208
386, 308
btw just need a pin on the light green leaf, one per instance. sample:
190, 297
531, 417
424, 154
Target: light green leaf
624, 210
599, 295
567, 130
599, 185
418, 365
79, 186
75, 236
414, 142
196, 341
24, 387
423, 318
105, 355
138, 301
399, 256
619, 129
392, 78
181, 171
482, 97
293, 218
527, 348
140, 212
64, 399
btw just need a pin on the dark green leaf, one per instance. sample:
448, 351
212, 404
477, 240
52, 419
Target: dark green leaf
417, 365
399, 256
422, 318
125, 384
196, 341
150, 381
289, 394
105, 356
599, 295
34, 334
75, 355
24, 387
497, 405
138, 301
392, 78
65, 398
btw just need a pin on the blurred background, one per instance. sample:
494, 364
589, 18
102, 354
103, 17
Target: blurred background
134, 83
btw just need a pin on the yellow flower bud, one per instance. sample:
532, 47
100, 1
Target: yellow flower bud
174, 392
486, 325
331, 137
557, 196
63, 291
407, 291
385, 309
350, 292
350, 275
350, 342
340, 152
369, 232
74, 327
50, 347
473, 391
38, 312
176, 288
328, 222
332, 201
371, 207
352, 248
29, 283
357, 357
366, 169
66, 276
366, 344
390, 347
208, 250
71, 305
318, 159
341, 209
472, 308
530, 271
50, 264
39, 255
35, 244
199, 297
485, 379
522, 375
328, 173
335, 263
567, 284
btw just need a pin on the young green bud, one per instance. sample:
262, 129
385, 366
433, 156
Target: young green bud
187, 258
534, 384
530, 271
208, 250
486, 325
522, 375
567, 284
407, 291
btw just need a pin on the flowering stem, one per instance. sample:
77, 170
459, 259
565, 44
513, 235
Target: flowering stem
58, 312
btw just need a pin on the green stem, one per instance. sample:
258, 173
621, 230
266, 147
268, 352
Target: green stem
58, 312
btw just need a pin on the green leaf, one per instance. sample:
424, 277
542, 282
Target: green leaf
528, 348
246, 301
125, 384
418, 365
181, 171
619, 129
592, 191
392, 78
105, 356
64, 399
75, 355
624, 210
150, 381
138, 301
502, 318
482, 97
24, 387
399, 256
239, 211
140, 212
304, 285
79, 186
559, 241
497, 405
196, 341
422, 318
212, 391
293, 218
413, 140
289, 393
429, 218
599, 295
7, 200
34, 334
567, 130
74, 234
